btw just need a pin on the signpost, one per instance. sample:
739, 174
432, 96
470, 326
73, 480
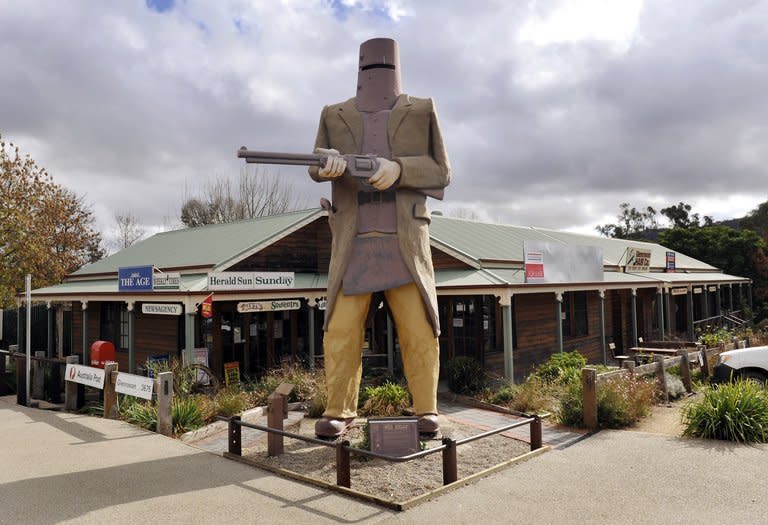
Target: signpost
133, 385
85, 375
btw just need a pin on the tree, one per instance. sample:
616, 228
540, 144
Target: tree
680, 216
127, 230
757, 220
735, 252
631, 223
254, 194
45, 229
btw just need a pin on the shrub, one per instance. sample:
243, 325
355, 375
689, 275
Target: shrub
306, 384
317, 404
675, 387
732, 412
389, 399
621, 402
563, 367
140, 413
531, 397
465, 375
183, 377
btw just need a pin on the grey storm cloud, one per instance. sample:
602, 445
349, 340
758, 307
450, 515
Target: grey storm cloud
132, 107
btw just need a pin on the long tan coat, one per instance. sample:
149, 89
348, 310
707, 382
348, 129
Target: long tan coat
417, 145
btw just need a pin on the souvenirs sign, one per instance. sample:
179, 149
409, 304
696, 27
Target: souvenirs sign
268, 306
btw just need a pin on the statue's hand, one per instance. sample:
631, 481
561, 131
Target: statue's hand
334, 166
386, 175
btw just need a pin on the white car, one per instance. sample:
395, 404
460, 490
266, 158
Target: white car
747, 363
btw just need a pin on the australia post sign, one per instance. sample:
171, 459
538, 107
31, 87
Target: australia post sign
135, 279
85, 375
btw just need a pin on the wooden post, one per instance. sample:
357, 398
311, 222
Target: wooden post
164, 402
54, 382
450, 470
628, 364
38, 376
21, 380
662, 377
275, 414
3, 390
110, 396
704, 362
685, 370
589, 384
536, 438
235, 436
343, 476
72, 393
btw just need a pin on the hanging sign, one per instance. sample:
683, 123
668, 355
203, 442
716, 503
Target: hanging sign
712, 288
268, 306
670, 262
161, 308
85, 375
135, 279
697, 289
679, 291
638, 260
206, 307
167, 281
251, 280
133, 385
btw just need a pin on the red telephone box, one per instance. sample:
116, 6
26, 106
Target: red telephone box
101, 352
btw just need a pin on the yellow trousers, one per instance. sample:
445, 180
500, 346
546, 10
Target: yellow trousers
343, 343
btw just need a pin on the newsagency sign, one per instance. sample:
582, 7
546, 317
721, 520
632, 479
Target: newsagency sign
222, 281
161, 309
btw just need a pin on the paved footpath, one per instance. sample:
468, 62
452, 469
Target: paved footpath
70, 468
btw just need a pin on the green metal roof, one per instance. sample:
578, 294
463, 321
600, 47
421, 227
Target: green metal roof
494, 250
495, 243
203, 246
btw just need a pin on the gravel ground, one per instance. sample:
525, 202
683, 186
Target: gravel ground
391, 481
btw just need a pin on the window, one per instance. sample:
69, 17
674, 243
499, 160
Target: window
123, 328
575, 314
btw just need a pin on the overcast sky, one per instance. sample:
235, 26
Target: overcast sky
553, 112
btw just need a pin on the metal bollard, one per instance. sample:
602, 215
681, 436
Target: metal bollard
343, 476
235, 445
450, 469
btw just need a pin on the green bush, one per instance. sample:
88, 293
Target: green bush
563, 367
389, 399
465, 376
183, 377
316, 405
731, 412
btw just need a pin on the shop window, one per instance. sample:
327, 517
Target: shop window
575, 314
107, 328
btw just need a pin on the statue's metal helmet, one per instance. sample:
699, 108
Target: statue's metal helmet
378, 76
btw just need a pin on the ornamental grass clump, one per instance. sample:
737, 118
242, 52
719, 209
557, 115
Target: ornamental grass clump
306, 384
186, 414
730, 412
230, 401
389, 399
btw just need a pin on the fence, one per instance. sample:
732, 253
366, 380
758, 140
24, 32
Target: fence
344, 450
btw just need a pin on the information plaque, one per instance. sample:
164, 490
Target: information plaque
397, 436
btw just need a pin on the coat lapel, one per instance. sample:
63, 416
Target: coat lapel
354, 122
399, 111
